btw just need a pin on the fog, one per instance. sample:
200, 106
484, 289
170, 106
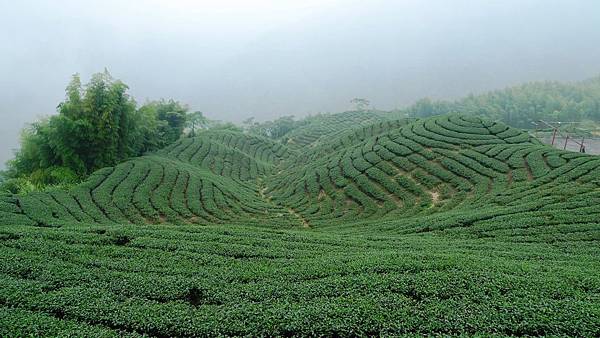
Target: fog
236, 59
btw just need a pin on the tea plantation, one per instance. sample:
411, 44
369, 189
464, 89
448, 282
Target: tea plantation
451, 225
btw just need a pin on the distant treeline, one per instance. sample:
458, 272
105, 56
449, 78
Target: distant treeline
521, 105
100, 125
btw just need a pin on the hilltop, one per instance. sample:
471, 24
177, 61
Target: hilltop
387, 170
353, 224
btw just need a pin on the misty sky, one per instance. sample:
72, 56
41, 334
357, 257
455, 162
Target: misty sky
236, 59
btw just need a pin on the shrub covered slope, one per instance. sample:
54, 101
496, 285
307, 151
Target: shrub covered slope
447, 225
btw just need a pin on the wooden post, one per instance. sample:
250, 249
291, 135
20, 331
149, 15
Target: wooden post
553, 136
566, 140
581, 146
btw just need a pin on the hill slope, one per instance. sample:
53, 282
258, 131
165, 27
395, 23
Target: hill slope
446, 225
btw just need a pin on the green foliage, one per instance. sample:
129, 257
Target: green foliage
99, 121
308, 131
196, 121
171, 117
451, 225
219, 125
276, 129
97, 126
94, 128
360, 104
519, 106
17, 186
427, 107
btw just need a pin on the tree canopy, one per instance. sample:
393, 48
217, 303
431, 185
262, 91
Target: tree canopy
521, 105
196, 121
97, 125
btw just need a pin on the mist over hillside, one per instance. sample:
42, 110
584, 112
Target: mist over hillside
267, 59
299, 168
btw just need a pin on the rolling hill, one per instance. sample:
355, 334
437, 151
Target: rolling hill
357, 224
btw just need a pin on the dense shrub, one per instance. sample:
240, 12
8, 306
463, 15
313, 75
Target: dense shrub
97, 126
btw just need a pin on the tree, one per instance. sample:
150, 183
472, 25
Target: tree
520, 105
249, 123
196, 120
147, 128
360, 104
426, 107
171, 117
275, 129
97, 126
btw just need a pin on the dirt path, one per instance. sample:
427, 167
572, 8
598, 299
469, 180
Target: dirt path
528, 169
262, 193
302, 220
435, 197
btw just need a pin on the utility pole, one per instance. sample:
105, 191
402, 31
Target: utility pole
556, 131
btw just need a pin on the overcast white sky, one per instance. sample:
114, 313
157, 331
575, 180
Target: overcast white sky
235, 59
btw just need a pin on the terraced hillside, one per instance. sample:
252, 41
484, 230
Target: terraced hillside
321, 128
442, 226
436, 163
204, 180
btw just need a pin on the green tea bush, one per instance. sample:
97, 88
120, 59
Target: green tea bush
435, 227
